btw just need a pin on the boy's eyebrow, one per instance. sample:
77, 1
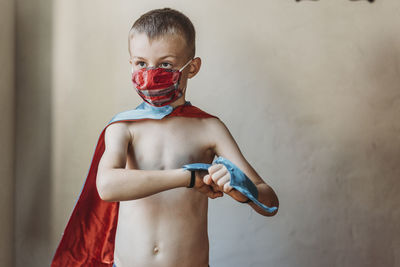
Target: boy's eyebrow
141, 58
138, 58
169, 56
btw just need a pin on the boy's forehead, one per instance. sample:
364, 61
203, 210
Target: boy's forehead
169, 44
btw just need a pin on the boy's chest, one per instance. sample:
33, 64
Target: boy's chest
169, 143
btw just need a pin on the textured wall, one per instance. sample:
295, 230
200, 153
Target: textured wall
7, 108
310, 91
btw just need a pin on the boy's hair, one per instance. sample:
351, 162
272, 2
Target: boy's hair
159, 22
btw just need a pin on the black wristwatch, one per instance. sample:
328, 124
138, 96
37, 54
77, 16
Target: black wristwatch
192, 179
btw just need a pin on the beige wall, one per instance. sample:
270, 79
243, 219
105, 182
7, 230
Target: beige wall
7, 107
309, 90
33, 136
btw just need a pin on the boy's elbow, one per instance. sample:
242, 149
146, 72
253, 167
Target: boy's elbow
268, 197
275, 203
103, 188
271, 214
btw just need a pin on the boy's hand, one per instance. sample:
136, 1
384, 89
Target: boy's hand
219, 179
210, 191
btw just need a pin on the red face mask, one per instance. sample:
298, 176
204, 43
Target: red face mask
158, 86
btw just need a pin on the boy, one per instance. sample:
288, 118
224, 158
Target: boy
160, 221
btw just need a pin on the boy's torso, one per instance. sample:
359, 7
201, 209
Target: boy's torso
168, 228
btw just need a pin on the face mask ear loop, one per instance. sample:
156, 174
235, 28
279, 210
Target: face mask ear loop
180, 70
184, 66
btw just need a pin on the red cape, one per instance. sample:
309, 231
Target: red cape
89, 236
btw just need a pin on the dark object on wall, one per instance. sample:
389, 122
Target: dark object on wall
371, 1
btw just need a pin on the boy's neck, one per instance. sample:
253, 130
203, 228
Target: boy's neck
179, 102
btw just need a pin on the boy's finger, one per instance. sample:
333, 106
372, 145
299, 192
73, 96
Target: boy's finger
219, 174
214, 168
223, 181
227, 188
215, 187
216, 194
207, 179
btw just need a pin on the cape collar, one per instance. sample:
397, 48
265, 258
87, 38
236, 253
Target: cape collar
147, 106
145, 110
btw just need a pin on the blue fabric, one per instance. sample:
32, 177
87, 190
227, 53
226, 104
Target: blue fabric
145, 111
239, 180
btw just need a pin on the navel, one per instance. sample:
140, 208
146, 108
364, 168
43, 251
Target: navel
156, 249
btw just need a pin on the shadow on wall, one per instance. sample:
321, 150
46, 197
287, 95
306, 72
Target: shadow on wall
33, 132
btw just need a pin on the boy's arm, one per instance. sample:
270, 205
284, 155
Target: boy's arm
115, 183
226, 146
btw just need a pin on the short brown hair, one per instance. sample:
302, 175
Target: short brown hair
159, 22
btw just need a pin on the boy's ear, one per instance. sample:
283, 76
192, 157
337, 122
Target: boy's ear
194, 67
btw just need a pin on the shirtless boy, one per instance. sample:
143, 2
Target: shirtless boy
161, 221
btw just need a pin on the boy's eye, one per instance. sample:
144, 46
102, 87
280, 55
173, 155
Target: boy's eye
166, 65
141, 64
